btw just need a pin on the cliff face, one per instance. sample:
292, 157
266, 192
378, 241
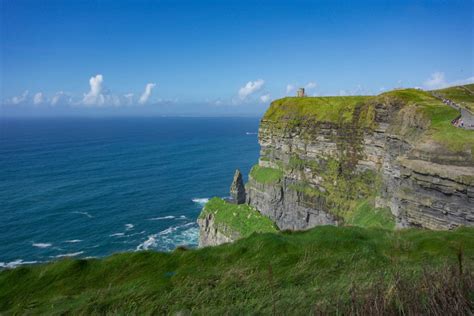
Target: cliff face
397, 150
212, 234
223, 221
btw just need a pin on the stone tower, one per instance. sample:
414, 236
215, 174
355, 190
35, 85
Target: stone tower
237, 189
300, 92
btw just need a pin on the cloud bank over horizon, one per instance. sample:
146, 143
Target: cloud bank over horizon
253, 92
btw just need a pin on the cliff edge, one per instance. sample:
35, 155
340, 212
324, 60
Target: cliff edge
327, 160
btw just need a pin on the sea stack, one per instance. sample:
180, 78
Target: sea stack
237, 189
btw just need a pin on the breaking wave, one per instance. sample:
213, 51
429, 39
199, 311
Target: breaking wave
42, 245
201, 201
83, 213
67, 255
172, 237
73, 241
15, 263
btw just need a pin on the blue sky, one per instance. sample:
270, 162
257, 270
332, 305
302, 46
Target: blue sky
222, 57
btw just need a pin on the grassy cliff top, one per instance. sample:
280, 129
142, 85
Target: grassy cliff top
317, 271
462, 95
240, 218
324, 109
419, 109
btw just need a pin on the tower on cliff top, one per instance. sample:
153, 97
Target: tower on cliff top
300, 92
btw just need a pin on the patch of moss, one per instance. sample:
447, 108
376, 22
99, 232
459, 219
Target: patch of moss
241, 218
266, 175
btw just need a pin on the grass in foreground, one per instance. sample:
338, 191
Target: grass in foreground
348, 270
240, 218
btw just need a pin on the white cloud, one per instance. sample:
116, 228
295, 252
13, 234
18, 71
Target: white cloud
147, 93
265, 98
311, 85
462, 82
250, 88
128, 98
95, 96
290, 88
20, 99
60, 97
436, 80
38, 98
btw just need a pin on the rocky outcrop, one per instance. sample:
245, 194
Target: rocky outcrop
213, 234
237, 188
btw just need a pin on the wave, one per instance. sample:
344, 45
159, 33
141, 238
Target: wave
67, 255
15, 263
73, 241
129, 226
150, 242
117, 235
170, 238
42, 245
250, 133
201, 201
162, 217
83, 213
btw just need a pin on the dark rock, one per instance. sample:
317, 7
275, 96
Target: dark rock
237, 189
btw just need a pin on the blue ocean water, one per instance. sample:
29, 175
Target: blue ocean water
93, 187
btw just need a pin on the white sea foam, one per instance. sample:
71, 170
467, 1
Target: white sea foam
250, 133
150, 242
161, 218
67, 255
183, 217
83, 213
201, 201
73, 241
15, 263
42, 245
173, 236
117, 235
129, 226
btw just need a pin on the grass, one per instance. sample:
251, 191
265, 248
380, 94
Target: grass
440, 116
324, 270
366, 215
241, 218
322, 109
266, 175
462, 95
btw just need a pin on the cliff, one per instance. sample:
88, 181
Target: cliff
392, 158
397, 150
222, 222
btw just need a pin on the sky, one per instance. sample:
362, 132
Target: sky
207, 58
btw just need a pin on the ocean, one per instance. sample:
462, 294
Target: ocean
88, 187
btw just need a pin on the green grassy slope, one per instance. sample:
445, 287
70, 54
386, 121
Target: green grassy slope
286, 273
266, 175
439, 116
462, 95
240, 218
